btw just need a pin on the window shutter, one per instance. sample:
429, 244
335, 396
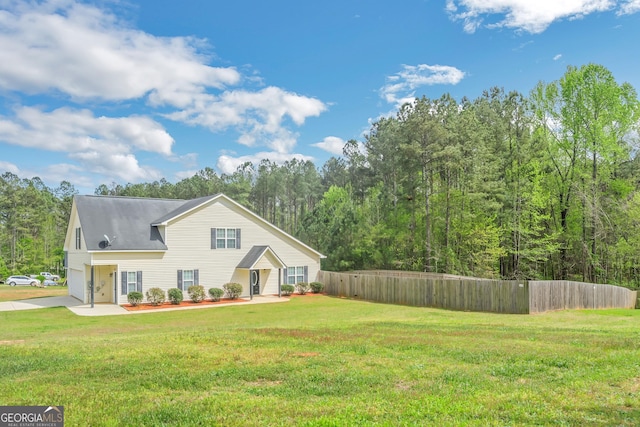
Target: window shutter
306, 273
139, 281
123, 282
66, 259
180, 280
237, 238
286, 275
213, 238
196, 277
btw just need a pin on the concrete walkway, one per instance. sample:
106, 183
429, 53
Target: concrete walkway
80, 309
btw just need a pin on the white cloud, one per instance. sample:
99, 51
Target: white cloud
228, 164
332, 144
85, 52
400, 87
528, 15
558, 56
629, 7
258, 115
80, 53
9, 167
101, 144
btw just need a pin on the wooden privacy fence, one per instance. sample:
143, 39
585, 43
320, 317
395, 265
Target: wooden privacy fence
469, 294
566, 295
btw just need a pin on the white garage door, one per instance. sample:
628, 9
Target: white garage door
75, 281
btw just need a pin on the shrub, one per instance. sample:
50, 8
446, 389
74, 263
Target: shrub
302, 287
216, 294
175, 295
287, 290
134, 298
316, 287
196, 293
233, 290
155, 296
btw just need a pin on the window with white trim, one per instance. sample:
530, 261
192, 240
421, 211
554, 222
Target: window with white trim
188, 279
226, 238
295, 275
132, 281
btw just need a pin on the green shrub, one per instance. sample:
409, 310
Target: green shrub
287, 290
134, 298
302, 287
233, 290
155, 296
175, 295
196, 293
216, 294
316, 287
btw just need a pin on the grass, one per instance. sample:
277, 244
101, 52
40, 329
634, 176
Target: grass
322, 361
12, 293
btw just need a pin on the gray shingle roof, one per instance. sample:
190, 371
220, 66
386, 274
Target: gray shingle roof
126, 220
254, 255
131, 222
186, 206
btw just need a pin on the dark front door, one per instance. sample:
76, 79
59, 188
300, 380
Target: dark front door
255, 282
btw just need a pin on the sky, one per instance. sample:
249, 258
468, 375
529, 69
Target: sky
128, 91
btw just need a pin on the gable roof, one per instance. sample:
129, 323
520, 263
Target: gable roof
132, 222
255, 254
196, 203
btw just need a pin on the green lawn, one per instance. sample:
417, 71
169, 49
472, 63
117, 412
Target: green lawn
322, 361
12, 293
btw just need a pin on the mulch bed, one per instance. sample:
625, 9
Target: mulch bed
308, 294
147, 306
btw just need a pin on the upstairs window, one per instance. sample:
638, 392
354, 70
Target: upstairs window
78, 238
225, 238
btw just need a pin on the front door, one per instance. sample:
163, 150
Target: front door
255, 282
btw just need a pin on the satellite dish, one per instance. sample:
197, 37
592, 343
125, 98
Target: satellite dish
107, 239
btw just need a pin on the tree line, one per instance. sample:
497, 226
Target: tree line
537, 186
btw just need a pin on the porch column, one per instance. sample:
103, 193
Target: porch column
92, 284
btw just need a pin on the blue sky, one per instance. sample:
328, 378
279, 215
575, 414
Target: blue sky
139, 90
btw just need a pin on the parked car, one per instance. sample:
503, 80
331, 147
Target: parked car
49, 276
22, 280
49, 282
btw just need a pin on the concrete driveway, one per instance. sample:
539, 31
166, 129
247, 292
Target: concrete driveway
71, 303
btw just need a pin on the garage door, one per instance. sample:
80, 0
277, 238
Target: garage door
76, 283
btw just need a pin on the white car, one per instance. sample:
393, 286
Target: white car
22, 280
49, 276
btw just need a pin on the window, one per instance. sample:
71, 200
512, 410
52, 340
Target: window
132, 281
78, 238
187, 278
296, 275
225, 238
